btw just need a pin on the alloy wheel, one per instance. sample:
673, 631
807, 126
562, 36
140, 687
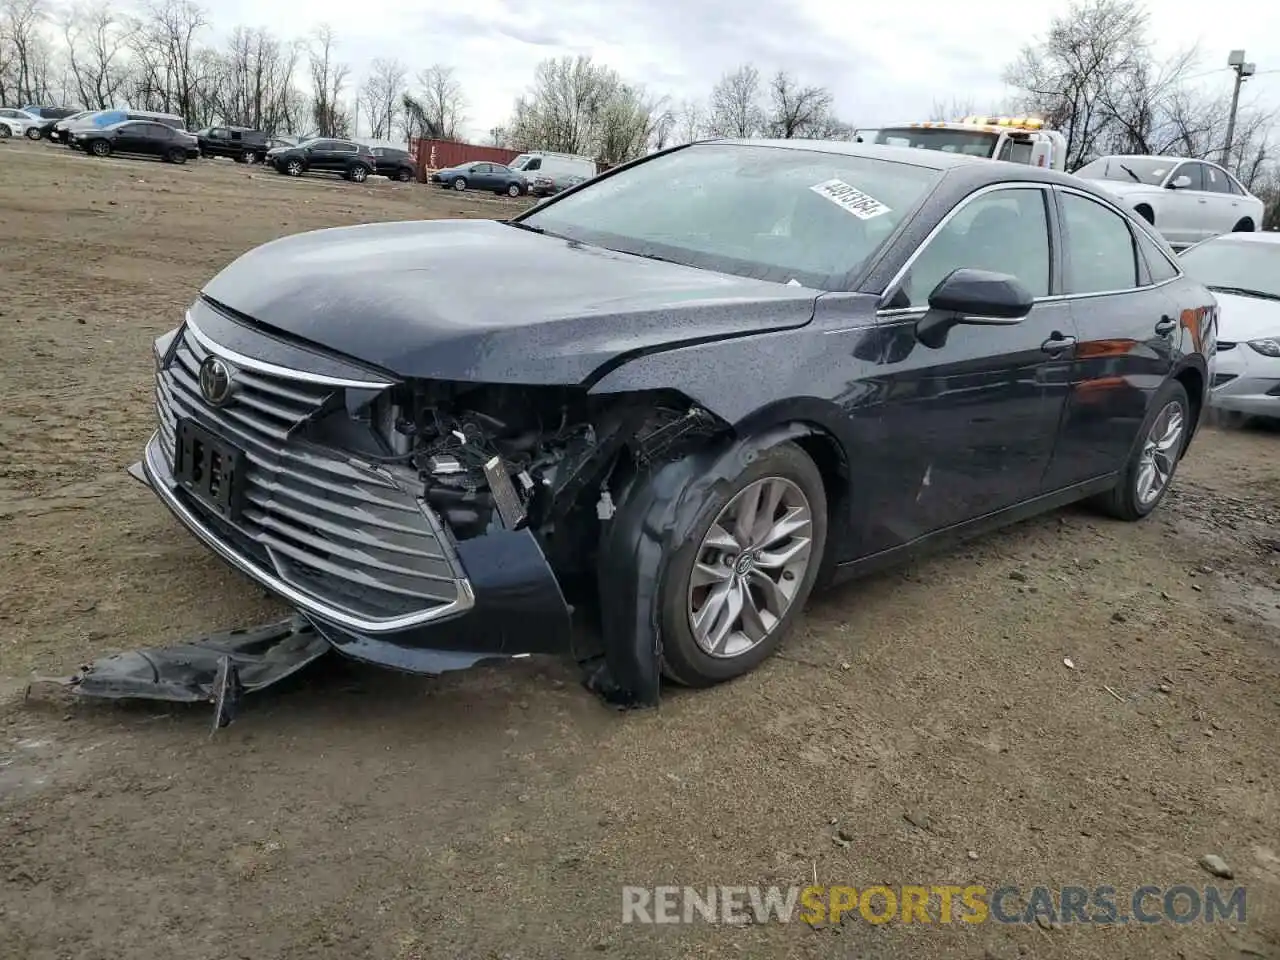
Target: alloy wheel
749, 567
1160, 453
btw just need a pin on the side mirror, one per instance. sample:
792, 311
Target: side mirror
1179, 183
975, 297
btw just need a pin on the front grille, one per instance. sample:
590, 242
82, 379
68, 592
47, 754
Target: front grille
348, 535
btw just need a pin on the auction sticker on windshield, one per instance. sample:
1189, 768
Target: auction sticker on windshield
850, 198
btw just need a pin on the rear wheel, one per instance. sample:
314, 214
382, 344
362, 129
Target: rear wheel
248, 156
176, 155
358, 174
5, 132
732, 593
1149, 472
404, 175
100, 148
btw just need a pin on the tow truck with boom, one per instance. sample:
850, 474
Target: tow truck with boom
1016, 139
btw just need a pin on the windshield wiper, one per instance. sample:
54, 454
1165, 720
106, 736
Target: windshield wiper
524, 226
1129, 172
1245, 292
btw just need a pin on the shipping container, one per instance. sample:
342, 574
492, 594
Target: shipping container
440, 154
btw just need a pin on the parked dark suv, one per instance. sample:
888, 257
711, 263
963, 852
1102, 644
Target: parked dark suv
242, 144
395, 164
352, 161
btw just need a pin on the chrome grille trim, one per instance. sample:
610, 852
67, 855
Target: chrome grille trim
347, 541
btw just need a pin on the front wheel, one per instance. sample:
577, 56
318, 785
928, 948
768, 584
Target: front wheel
460, 184
731, 594
513, 190
1151, 466
294, 168
100, 148
33, 133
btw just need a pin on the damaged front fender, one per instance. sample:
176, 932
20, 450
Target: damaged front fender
656, 516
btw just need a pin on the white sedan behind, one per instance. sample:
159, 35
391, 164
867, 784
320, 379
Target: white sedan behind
1243, 271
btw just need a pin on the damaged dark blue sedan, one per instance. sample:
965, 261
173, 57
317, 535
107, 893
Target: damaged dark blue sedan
671, 401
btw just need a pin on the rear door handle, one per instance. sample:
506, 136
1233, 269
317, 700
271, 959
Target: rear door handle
1057, 343
1166, 326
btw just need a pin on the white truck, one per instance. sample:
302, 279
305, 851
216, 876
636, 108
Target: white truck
1016, 139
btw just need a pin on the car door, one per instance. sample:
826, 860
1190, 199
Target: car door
972, 422
1114, 280
320, 155
1222, 206
1180, 207
130, 138
480, 176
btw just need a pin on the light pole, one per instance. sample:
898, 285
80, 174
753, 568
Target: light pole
1242, 70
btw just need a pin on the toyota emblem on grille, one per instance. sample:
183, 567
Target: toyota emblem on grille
217, 381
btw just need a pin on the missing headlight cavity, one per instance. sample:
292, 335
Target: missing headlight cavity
494, 456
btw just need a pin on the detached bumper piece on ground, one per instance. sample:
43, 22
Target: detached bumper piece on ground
218, 668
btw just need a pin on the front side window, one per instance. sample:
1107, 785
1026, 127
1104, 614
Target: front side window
1193, 172
533, 164
1215, 181
1005, 231
772, 213
1099, 247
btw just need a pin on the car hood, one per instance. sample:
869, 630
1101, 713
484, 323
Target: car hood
1246, 318
485, 301
1123, 190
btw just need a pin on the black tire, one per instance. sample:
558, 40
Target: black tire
5, 132
294, 168
357, 173
176, 155
33, 133
513, 190
460, 184
248, 156
1146, 213
404, 175
1244, 226
1122, 501
100, 148
682, 659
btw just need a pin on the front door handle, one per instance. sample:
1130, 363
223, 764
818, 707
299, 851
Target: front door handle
1057, 343
1166, 326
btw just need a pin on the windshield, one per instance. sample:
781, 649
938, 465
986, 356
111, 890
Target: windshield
974, 143
772, 213
1236, 266
519, 162
1148, 170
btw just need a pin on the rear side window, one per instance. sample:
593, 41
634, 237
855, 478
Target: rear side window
1215, 180
1101, 257
1158, 264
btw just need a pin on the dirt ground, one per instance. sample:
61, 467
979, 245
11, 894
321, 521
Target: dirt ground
922, 729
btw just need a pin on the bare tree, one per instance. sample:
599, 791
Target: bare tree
1075, 74
251, 82
28, 57
380, 96
957, 109
735, 106
691, 119
166, 44
97, 53
578, 106
438, 110
795, 110
328, 78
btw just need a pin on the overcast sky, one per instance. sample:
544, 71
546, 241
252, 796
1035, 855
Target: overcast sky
885, 62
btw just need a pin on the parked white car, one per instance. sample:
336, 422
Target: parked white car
1243, 271
1185, 200
28, 123
9, 128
